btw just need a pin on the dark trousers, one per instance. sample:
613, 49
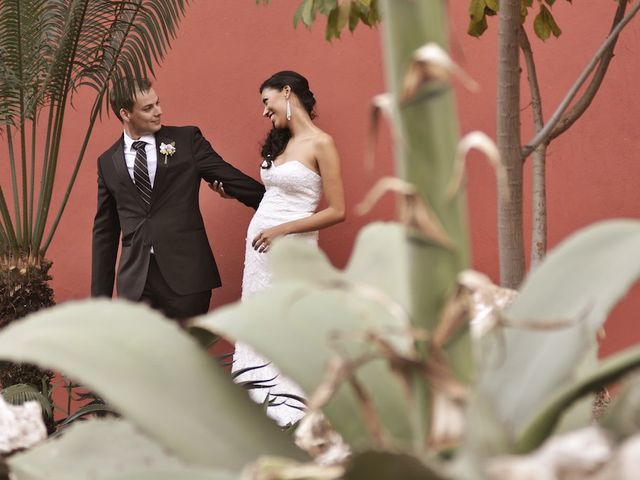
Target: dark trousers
160, 296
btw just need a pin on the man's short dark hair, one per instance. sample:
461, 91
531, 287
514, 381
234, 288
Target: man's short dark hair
123, 93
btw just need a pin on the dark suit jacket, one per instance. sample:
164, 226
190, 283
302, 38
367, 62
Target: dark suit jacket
172, 224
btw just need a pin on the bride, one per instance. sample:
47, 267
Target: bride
300, 163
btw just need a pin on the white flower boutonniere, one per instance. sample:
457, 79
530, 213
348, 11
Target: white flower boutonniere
167, 149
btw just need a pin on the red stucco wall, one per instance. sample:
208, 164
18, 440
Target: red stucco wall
227, 47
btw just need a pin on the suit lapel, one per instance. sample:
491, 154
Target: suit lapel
121, 169
161, 168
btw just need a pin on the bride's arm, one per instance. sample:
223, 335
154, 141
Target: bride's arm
328, 160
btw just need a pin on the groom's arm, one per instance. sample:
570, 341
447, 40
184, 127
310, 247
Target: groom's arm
106, 234
212, 167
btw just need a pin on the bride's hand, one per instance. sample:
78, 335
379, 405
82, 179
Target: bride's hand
217, 187
262, 242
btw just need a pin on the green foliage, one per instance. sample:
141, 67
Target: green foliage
566, 301
621, 419
373, 345
609, 371
390, 466
114, 448
543, 25
152, 373
331, 314
174, 398
49, 49
340, 14
21, 392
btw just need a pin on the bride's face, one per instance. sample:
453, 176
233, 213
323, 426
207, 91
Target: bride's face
275, 106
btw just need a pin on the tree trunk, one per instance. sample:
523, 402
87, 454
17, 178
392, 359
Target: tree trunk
510, 229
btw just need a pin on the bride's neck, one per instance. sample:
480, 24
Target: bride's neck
301, 125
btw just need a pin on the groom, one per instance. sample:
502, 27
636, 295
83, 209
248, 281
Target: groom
148, 184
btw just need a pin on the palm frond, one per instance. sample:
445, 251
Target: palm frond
26, 42
148, 41
48, 50
21, 392
9, 67
98, 409
118, 42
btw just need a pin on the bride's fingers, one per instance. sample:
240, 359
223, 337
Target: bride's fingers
259, 242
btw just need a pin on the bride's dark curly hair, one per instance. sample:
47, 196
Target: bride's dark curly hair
277, 138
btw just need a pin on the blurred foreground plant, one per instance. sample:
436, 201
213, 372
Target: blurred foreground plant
382, 348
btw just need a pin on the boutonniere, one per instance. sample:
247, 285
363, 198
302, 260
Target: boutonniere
167, 149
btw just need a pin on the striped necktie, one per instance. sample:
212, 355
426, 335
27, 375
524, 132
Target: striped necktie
141, 172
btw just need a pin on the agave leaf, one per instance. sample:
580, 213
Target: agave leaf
611, 369
185, 474
581, 412
154, 374
314, 313
622, 418
104, 449
577, 285
379, 261
390, 466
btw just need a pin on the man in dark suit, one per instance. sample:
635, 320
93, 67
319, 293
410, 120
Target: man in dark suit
148, 184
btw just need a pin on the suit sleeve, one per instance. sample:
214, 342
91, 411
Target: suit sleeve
212, 167
106, 235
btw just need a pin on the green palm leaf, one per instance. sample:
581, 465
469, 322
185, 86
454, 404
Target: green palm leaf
48, 50
21, 392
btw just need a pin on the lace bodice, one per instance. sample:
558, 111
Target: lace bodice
293, 192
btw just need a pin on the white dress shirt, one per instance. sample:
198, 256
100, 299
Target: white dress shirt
150, 150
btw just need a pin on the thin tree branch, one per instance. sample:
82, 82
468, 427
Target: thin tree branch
538, 189
590, 92
545, 134
532, 77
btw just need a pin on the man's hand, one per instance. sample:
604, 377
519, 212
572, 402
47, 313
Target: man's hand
217, 187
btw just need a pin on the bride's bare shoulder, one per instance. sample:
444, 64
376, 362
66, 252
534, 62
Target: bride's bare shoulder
322, 140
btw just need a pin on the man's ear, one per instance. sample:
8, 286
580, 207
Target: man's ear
124, 113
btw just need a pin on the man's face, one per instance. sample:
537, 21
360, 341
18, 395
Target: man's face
144, 117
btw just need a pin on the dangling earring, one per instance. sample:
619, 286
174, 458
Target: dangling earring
288, 110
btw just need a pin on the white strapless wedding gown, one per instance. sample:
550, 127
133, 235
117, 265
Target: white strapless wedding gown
292, 192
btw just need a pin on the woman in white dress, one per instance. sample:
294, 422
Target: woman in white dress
301, 163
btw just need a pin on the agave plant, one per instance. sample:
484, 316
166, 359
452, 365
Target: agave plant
382, 347
191, 421
49, 49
